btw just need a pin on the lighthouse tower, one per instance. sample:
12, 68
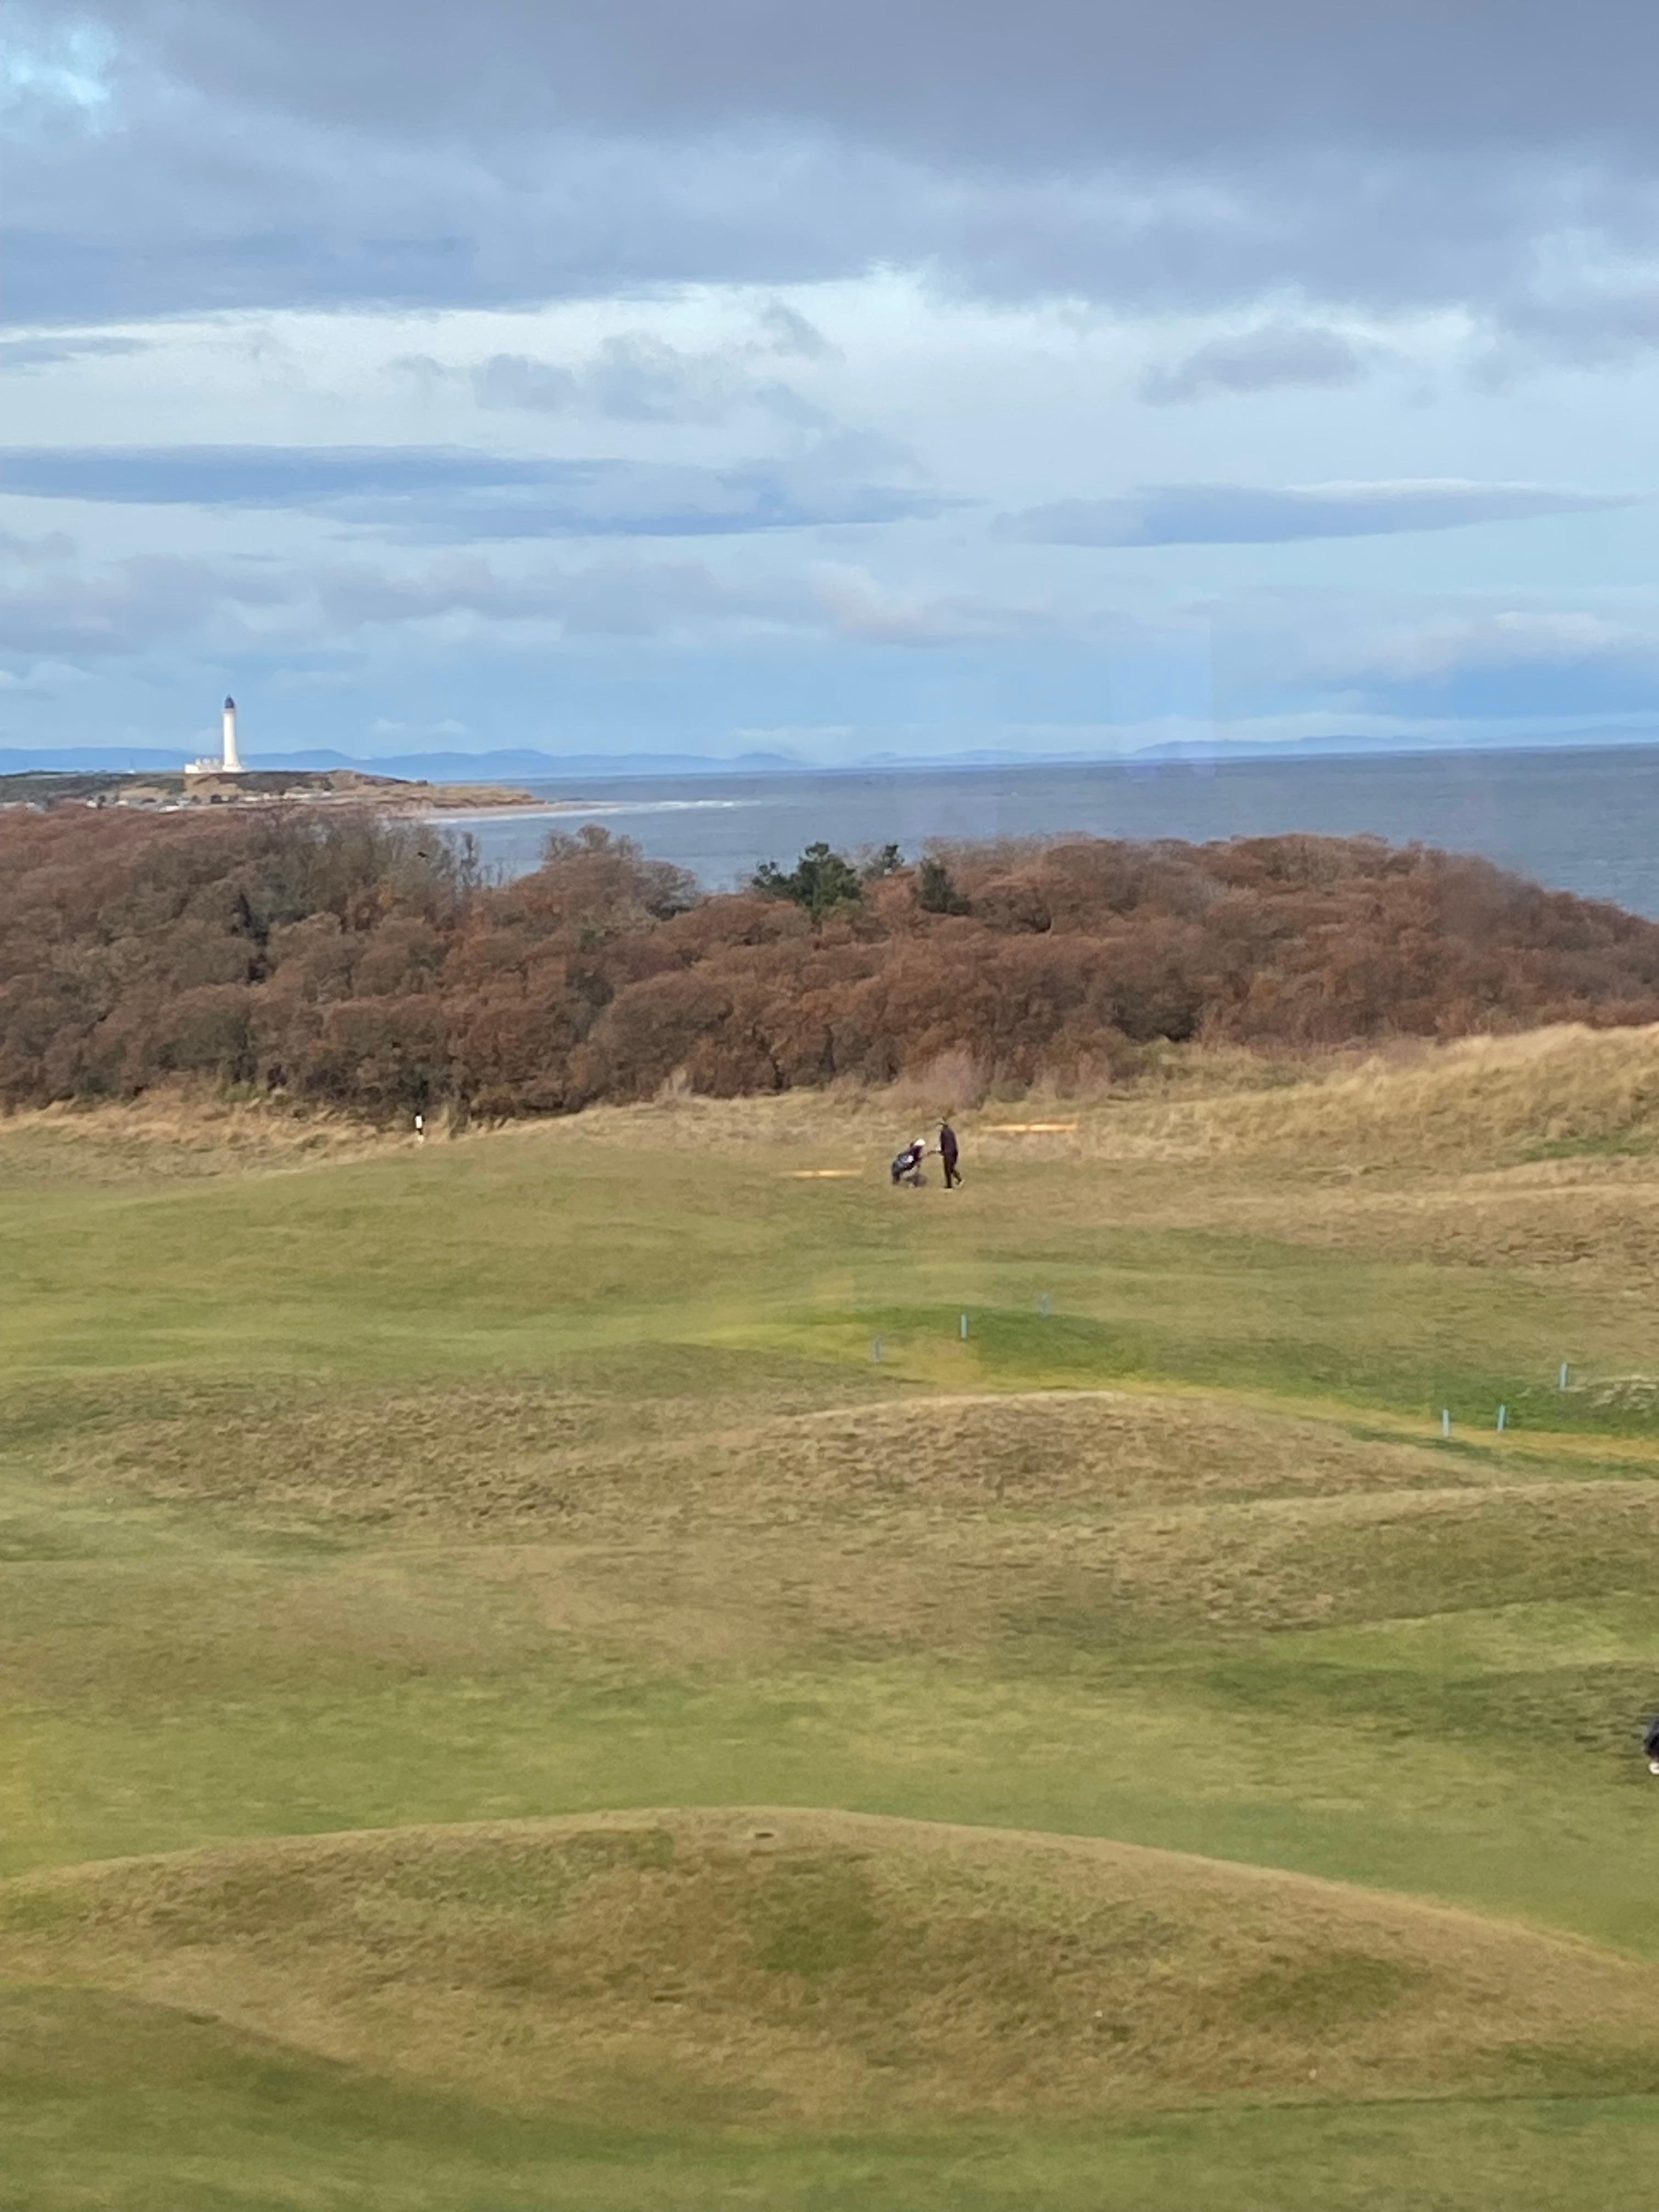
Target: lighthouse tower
229, 761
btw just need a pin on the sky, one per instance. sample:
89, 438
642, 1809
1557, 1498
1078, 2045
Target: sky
913, 379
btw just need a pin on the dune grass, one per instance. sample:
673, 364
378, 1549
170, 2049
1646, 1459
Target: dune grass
546, 1473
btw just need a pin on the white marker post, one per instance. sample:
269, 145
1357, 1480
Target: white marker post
1502, 1417
875, 1350
1561, 1380
1044, 1306
420, 1128
1445, 1421
964, 1328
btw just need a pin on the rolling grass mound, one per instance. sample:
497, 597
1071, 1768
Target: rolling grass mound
1046, 1451
832, 1969
516, 1456
1560, 1093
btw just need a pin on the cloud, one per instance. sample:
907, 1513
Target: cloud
295, 610
965, 79
250, 476
1263, 360
17, 550
1467, 660
131, 606
441, 492
636, 377
622, 596
1201, 153
43, 678
790, 332
49, 65
862, 609
628, 595
1241, 514
1591, 321
55, 352
1504, 638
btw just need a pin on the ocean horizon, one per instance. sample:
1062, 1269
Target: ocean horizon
1583, 819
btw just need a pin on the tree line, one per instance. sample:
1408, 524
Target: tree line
369, 963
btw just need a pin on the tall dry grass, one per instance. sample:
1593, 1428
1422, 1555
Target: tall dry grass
1482, 1101
1564, 1089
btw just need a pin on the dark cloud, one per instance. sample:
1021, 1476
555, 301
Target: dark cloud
1243, 514
259, 152
1264, 360
971, 81
442, 493
1587, 325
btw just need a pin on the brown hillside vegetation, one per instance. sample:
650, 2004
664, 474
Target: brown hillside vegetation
362, 962
762, 1965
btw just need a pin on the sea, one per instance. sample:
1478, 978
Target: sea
1585, 820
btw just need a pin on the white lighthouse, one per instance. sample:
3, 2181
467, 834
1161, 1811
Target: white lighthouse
229, 762
232, 762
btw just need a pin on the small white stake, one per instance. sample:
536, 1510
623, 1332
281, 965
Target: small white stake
1566, 1370
1502, 1417
964, 1328
1445, 1421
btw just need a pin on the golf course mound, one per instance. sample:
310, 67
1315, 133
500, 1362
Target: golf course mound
1048, 1449
761, 1965
514, 1457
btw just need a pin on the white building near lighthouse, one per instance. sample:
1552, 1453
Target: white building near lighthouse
230, 760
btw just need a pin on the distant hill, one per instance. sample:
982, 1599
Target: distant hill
526, 763
1356, 748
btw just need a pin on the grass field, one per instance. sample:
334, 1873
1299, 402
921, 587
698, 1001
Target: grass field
506, 1702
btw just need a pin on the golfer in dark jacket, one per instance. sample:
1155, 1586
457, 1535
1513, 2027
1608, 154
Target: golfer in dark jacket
948, 1152
1650, 1744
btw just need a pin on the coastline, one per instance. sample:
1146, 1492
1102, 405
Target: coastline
255, 788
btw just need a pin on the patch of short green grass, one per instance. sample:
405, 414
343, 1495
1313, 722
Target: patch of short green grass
112, 2107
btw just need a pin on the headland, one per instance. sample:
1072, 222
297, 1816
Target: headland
160, 792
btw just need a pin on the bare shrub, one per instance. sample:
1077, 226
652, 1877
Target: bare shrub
362, 964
